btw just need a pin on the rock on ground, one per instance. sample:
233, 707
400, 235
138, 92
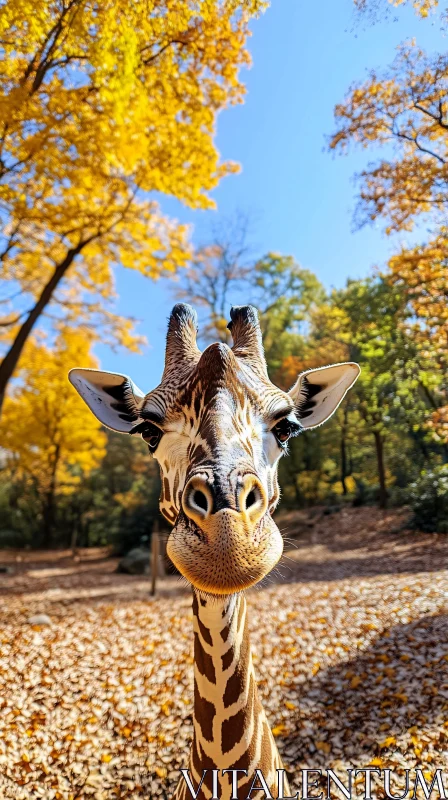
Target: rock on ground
39, 619
136, 562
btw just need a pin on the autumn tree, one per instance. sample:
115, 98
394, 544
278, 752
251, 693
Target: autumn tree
49, 440
405, 108
102, 104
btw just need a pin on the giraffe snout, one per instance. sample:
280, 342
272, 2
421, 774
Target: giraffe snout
202, 499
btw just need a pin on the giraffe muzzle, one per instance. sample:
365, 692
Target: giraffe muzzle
224, 547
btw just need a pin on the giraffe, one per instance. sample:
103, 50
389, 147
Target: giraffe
218, 427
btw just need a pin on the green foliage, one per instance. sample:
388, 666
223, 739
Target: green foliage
428, 497
400, 383
20, 512
116, 504
285, 293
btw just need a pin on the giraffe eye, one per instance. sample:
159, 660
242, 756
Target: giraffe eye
284, 430
150, 433
152, 440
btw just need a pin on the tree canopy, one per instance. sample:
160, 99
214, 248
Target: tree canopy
102, 105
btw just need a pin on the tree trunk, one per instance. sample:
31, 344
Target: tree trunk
11, 359
343, 464
74, 539
344, 472
297, 492
48, 518
381, 470
48, 511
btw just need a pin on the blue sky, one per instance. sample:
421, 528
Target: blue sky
305, 55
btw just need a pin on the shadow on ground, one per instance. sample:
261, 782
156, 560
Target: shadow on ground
355, 542
355, 707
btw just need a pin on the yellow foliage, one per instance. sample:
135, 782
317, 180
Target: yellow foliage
423, 270
407, 106
390, 741
102, 104
46, 430
279, 730
350, 485
438, 423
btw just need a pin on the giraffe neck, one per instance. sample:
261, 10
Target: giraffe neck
230, 726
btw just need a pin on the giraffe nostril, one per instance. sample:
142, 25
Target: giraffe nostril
251, 499
200, 500
197, 500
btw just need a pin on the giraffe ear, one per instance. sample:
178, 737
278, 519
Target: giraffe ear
318, 392
113, 398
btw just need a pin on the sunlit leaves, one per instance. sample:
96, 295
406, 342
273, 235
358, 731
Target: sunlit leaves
102, 104
406, 107
48, 436
423, 271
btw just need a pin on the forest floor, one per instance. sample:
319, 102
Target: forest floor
350, 636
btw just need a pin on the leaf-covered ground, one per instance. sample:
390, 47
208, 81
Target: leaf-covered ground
351, 647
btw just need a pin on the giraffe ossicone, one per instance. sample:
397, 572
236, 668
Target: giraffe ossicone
218, 427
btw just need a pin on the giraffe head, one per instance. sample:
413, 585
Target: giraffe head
217, 427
